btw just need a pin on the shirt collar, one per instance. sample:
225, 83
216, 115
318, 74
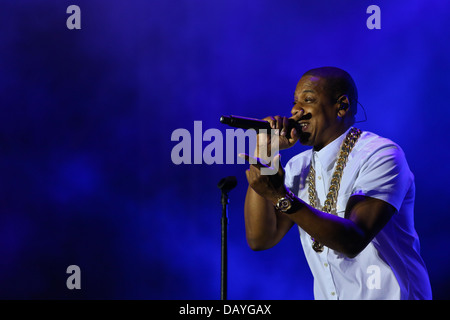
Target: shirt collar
328, 154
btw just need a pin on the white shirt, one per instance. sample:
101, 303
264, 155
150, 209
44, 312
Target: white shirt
390, 267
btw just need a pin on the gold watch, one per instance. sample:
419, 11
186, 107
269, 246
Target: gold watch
284, 204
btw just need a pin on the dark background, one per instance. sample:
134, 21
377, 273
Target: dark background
86, 175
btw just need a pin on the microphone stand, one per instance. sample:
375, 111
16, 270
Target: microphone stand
225, 185
224, 248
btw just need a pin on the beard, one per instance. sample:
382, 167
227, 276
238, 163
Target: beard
304, 138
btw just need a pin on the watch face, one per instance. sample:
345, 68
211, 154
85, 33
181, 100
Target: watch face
285, 204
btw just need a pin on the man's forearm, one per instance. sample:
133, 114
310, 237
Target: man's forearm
264, 226
260, 220
337, 233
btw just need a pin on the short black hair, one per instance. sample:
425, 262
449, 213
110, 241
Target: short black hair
338, 82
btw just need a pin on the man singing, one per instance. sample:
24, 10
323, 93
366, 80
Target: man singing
351, 196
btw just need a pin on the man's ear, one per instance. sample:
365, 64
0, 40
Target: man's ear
343, 104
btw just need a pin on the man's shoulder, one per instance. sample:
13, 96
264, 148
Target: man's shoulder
373, 142
375, 150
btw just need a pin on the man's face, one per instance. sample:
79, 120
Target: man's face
319, 122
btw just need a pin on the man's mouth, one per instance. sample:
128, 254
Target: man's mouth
303, 125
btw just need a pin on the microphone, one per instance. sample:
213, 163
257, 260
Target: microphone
227, 184
245, 123
256, 124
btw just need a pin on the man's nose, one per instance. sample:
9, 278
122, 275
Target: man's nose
297, 112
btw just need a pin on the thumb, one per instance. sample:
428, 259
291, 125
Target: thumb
277, 163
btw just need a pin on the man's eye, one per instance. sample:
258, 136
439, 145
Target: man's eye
306, 100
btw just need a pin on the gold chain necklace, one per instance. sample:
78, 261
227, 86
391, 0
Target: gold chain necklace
330, 202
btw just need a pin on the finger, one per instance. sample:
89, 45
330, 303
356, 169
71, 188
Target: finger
254, 161
277, 161
247, 174
274, 168
245, 156
254, 175
271, 121
294, 135
279, 122
285, 126
251, 175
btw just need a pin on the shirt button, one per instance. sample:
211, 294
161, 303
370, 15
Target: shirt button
319, 177
325, 264
333, 293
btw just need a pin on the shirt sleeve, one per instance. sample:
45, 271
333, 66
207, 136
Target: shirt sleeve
291, 175
385, 176
288, 176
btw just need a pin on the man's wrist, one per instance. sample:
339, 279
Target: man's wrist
286, 202
278, 194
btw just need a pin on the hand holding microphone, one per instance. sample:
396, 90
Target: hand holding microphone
289, 129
